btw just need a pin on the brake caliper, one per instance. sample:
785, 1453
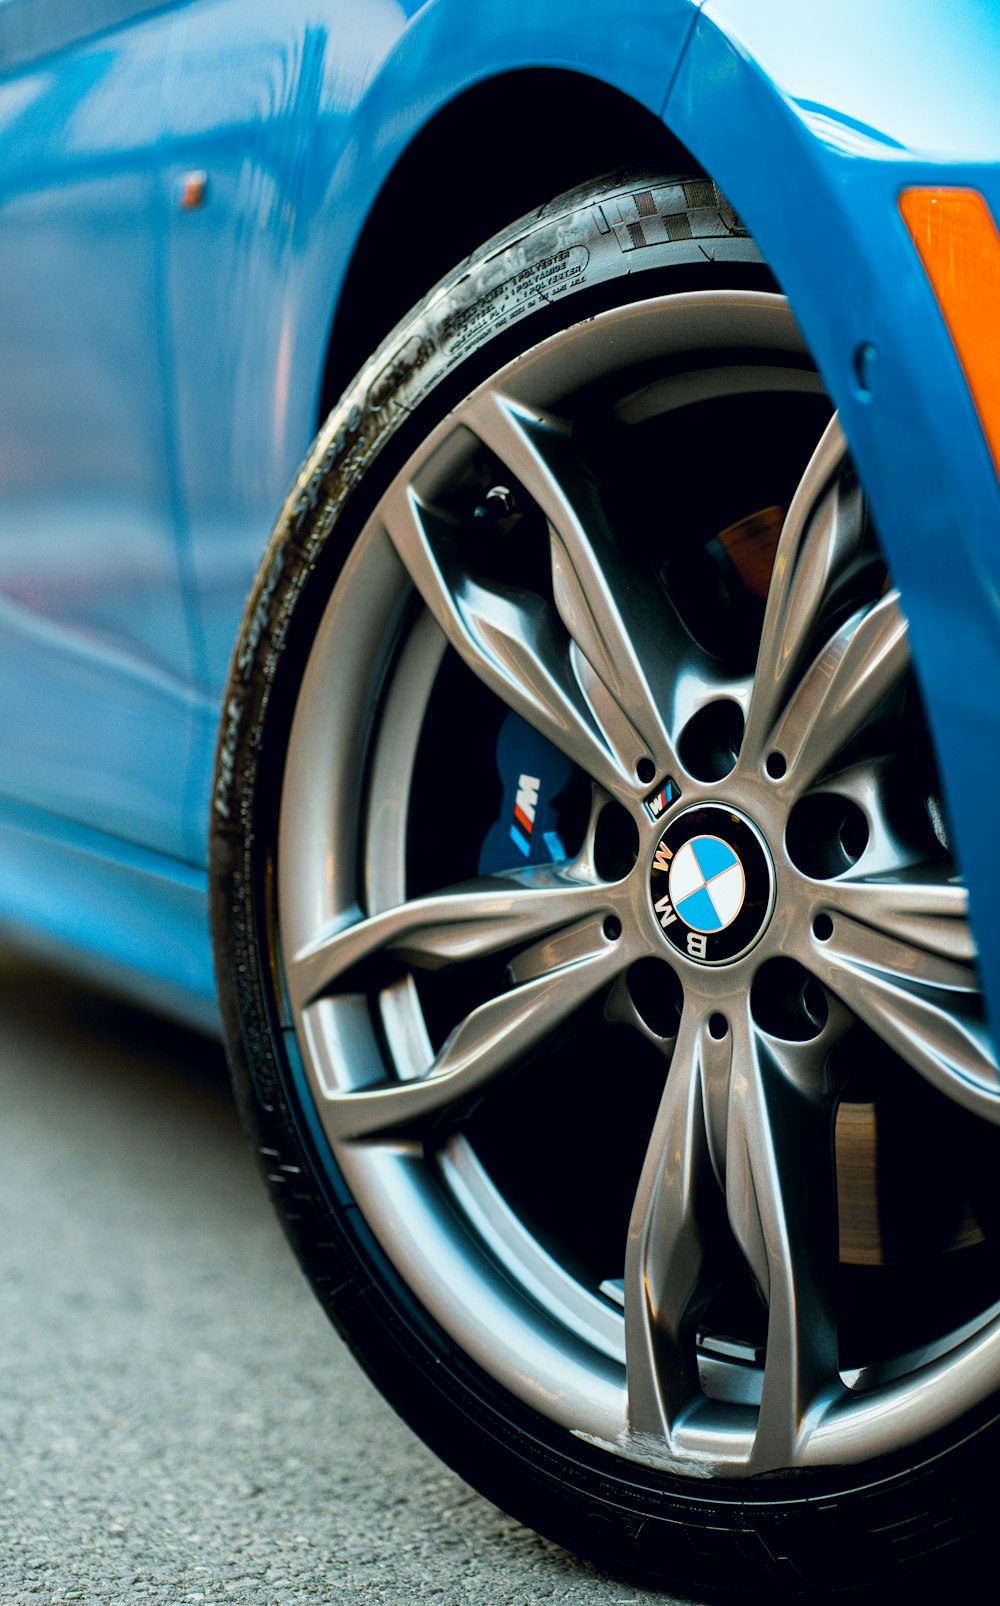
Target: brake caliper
533, 773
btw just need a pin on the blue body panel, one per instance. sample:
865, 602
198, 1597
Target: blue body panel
96, 660
162, 368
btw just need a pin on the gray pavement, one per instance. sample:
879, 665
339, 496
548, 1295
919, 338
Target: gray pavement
178, 1422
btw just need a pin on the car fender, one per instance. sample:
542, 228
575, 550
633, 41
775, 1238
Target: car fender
813, 132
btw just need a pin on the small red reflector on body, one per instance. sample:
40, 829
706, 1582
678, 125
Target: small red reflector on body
191, 191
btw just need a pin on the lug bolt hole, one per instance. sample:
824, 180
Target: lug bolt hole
776, 765
787, 1002
616, 843
822, 928
646, 770
711, 740
718, 1026
657, 996
826, 834
612, 928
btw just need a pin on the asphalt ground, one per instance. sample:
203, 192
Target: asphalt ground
178, 1422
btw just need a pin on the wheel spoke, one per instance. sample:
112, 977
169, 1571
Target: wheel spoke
922, 1001
510, 640
622, 628
923, 906
781, 1198
664, 1259
857, 668
488, 1043
470, 921
821, 535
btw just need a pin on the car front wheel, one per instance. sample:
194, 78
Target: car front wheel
595, 966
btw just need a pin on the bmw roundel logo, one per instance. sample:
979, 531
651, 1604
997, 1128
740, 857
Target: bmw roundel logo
711, 884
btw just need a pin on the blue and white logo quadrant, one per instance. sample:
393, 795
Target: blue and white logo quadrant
707, 884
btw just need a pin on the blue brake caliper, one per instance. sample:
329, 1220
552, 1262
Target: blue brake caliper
533, 773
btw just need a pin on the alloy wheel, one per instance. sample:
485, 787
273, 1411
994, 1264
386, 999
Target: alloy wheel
752, 887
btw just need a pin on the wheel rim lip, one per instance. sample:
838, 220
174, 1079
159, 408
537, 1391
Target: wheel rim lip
566, 1375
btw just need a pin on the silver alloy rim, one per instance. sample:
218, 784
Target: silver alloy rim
612, 678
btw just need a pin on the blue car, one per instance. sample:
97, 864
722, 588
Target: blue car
593, 807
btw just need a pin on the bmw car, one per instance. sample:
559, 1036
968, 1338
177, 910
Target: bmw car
500, 618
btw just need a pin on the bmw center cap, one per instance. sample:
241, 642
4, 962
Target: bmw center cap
711, 884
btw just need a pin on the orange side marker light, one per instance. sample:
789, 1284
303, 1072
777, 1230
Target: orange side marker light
959, 246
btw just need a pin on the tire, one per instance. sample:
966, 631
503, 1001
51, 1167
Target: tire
730, 1328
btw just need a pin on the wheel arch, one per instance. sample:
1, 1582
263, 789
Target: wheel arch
570, 127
